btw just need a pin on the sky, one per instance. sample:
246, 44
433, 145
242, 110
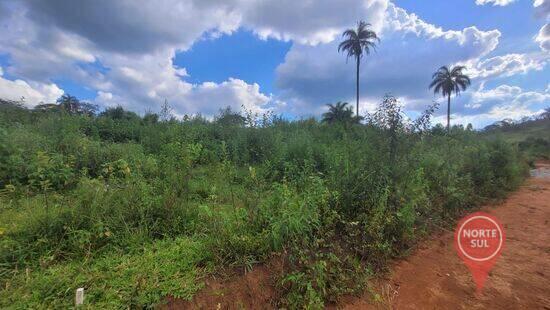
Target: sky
276, 55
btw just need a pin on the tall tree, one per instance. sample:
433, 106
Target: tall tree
358, 42
69, 103
166, 111
447, 81
339, 113
72, 105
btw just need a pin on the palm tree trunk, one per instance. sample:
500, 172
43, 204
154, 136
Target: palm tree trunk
448, 113
357, 87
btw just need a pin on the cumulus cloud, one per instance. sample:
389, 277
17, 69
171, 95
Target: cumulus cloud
494, 2
209, 97
543, 38
132, 27
143, 83
410, 51
154, 25
486, 106
132, 65
30, 94
505, 101
506, 65
470, 39
124, 50
542, 8
310, 22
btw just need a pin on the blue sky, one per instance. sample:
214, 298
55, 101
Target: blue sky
277, 55
241, 54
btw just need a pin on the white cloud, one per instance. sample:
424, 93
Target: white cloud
128, 47
143, 83
399, 20
495, 2
486, 106
506, 65
174, 23
205, 98
31, 94
310, 22
506, 101
209, 97
502, 92
44, 43
542, 8
543, 38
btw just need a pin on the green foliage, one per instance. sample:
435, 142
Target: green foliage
340, 113
135, 209
49, 172
117, 280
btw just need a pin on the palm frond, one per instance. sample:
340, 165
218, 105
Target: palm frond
447, 81
358, 41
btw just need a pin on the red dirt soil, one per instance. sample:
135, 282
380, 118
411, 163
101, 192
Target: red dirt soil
253, 290
433, 277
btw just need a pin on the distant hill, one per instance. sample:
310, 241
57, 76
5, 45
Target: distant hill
531, 136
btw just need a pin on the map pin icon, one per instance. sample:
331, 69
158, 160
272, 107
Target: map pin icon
479, 240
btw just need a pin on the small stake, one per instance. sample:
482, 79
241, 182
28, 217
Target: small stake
79, 299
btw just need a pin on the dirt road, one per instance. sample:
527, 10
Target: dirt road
435, 278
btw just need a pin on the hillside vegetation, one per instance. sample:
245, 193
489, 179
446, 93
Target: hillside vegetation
532, 136
134, 208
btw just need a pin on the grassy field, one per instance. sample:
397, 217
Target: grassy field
134, 208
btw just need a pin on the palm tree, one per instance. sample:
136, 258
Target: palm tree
447, 82
339, 113
68, 103
358, 42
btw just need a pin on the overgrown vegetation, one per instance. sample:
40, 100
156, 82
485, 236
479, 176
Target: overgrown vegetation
137, 208
530, 134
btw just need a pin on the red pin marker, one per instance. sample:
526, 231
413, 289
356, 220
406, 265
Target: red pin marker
479, 239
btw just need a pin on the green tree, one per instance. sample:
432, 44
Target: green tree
118, 113
87, 108
227, 117
357, 43
150, 118
339, 113
447, 81
72, 105
68, 103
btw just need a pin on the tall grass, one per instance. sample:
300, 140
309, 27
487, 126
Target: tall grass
135, 210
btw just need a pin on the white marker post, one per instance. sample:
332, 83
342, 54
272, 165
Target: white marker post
79, 298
